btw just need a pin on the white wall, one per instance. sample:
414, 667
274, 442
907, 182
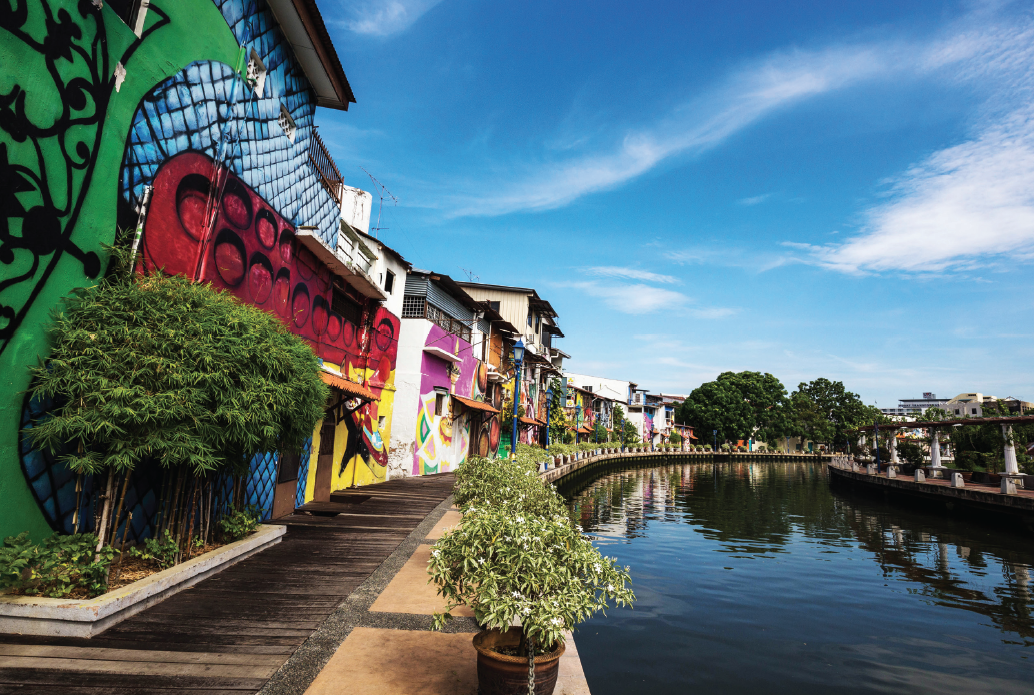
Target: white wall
408, 374
611, 388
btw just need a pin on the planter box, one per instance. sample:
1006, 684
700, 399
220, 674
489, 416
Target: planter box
62, 617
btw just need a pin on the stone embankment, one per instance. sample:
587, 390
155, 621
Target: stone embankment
1007, 501
563, 466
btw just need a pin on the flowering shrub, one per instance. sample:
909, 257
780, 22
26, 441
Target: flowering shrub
508, 484
537, 571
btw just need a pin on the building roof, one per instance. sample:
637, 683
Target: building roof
454, 288
349, 387
393, 252
475, 405
535, 302
304, 29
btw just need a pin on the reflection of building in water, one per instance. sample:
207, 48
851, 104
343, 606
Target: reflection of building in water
919, 557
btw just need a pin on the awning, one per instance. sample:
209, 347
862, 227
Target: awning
475, 405
532, 422
349, 387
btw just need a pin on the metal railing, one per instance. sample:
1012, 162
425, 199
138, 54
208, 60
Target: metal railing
325, 167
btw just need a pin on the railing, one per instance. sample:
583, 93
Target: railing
325, 167
414, 307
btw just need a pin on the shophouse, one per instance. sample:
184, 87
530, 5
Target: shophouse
542, 367
453, 357
192, 121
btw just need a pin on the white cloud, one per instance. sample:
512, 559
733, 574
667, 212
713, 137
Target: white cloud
638, 298
967, 205
754, 200
632, 274
386, 17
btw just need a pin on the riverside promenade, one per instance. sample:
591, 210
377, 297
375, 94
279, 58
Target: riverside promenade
341, 606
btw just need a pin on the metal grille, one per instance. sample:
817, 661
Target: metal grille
454, 326
413, 307
324, 165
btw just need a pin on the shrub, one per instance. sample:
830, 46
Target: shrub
240, 522
538, 571
161, 551
57, 567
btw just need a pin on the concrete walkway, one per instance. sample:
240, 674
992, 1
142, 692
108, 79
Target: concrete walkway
390, 647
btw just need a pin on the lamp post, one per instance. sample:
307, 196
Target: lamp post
549, 404
518, 360
577, 421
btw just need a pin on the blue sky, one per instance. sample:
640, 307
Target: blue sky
838, 189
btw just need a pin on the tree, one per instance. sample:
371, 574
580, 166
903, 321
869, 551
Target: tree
162, 370
558, 421
618, 426
740, 405
823, 411
629, 434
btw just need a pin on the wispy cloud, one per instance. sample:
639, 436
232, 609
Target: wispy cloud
386, 17
639, 298
631, 274
964, 206
754, 200
775, 82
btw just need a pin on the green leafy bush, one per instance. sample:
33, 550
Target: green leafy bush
538, 571
240, 522
508, 484
161, 551
57, 567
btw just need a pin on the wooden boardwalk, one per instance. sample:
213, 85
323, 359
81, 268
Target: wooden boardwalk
231, 632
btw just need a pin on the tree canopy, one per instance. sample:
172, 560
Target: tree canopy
823, 411
166, 369
739, 405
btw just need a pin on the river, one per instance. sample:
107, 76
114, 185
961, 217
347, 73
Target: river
758, 578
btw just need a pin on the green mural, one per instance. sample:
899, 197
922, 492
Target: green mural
72, 74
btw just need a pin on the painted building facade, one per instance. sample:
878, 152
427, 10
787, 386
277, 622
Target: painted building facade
447, 407
194, 119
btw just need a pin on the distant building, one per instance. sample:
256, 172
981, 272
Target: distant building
916, 406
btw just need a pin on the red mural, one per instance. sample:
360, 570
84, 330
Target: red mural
252, 252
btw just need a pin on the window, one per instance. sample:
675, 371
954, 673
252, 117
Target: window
494, 305
287, 123
132, 12
255, 75
348, 308
529, 318
973, 411
380, 423
439, 404
413, 307
389, 282
289, 464
956, 411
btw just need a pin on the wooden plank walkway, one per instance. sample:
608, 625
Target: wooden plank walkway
230, 633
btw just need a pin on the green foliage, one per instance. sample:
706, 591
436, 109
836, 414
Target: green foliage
558, 421
629, 434
738, 405
508, 484
824, 411
982, 445
911, 452
161, 367
241, 522
56, 567
539, 571
675, 439
161, 551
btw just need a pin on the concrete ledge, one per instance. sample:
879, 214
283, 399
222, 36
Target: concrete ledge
60, 617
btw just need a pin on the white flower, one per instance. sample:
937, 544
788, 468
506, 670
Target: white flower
557, 621
610, 587
516, 594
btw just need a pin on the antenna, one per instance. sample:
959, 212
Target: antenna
471, 277
382, 191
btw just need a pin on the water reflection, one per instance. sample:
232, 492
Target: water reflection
741, 567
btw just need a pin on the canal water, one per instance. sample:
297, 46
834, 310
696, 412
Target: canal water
759, 578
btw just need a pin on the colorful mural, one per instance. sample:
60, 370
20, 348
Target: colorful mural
445, 436
90, 116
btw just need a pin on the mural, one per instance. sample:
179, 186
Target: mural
443, 441
90, 116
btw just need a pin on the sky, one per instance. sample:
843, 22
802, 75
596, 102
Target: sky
811, 189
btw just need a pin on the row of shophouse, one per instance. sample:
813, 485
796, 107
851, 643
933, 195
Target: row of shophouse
199, 133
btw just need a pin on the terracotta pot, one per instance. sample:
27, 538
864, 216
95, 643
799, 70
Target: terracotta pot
500, 674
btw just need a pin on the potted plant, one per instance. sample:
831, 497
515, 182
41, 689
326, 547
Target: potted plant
534, 571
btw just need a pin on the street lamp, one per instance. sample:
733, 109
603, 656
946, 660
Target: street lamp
876, 438
715, 450
518, 360
577, 421
549, 404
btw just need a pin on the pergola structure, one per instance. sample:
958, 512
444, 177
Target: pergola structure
1011, 466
